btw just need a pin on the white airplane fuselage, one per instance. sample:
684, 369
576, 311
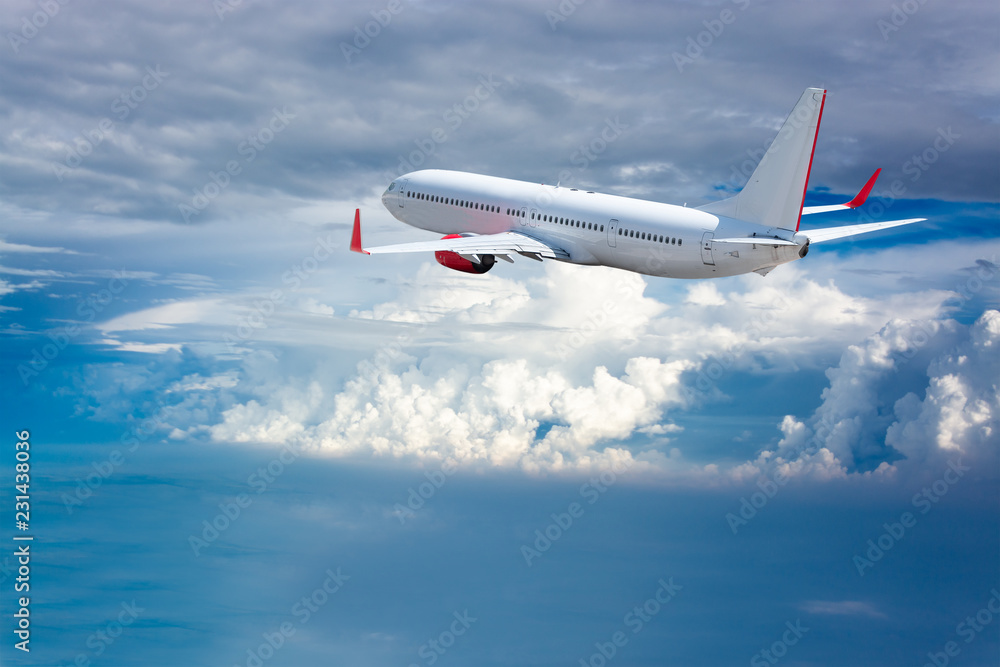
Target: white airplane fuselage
593, 229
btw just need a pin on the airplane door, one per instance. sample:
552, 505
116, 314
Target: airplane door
612, 232
532, 219
524, 216
706, 248
402, 191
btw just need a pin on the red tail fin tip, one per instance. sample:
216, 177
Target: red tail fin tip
356, 234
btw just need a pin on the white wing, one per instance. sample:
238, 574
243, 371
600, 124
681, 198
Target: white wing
507, 243
502, 245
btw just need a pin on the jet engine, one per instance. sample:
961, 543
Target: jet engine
480, 263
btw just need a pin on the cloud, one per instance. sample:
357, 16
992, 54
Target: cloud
578, 368
162, 317
869, 421
24, 248
959, 414
842, 608
689, 128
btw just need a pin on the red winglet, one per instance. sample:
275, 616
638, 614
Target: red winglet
865, 191
356, 235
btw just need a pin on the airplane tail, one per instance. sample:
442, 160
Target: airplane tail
776, 190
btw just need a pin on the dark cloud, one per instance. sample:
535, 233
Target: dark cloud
561, 81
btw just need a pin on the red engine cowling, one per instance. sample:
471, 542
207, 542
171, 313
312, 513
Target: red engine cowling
455, 261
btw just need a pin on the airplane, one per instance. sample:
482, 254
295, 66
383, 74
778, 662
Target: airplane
485, 218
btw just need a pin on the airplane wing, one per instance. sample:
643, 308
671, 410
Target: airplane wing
830, 233
854, 203
502, 245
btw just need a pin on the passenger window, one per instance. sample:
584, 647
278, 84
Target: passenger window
602, 228
679, 241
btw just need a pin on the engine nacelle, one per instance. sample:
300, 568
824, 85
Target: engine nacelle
455, 261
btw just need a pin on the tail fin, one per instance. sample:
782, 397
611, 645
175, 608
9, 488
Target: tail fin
776, 190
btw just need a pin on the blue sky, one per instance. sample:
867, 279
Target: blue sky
189, 341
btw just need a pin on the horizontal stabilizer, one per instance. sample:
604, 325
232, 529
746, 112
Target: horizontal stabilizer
830, 233
755, 240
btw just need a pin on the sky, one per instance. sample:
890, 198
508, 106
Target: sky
249, 446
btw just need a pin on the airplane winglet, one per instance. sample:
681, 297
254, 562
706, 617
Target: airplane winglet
865, 191
858, 200
356, 234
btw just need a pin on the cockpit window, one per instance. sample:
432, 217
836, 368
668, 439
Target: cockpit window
391, 186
